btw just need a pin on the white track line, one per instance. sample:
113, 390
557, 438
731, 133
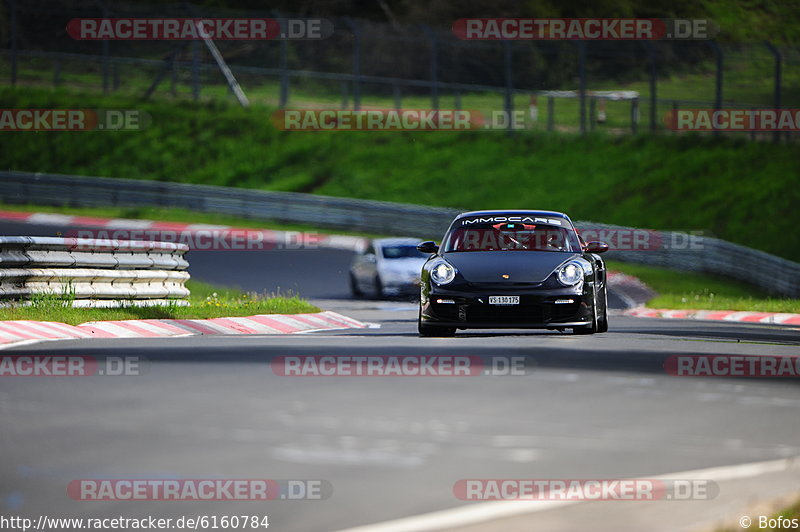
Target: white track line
487, 511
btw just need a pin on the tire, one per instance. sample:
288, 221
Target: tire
378, 292
592, 327
429, 331
602, 325
355, 291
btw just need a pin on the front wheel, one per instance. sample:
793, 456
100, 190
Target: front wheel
602, 325
378, 291
431, 331
355, 291
593, 327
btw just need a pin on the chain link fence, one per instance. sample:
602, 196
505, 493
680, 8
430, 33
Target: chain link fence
367, 64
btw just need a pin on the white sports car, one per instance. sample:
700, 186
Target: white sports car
387, 267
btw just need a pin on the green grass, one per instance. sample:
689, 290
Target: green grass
686, 290
741, 191
207, 301
790, 512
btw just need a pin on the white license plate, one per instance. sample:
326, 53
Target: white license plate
504, 300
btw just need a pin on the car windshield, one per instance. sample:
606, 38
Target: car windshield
403, 252
511, 237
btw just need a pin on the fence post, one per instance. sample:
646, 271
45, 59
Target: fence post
173, 75
509, 94
195, 70
398, 102
718, 95
13, 35
106, 44
356, 29
115, 77
57, 72
675, 114
345, 95
651, 49
283, 65
778, 66
582, 83
551, 119
434, 66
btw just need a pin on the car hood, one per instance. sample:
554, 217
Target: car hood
520, 266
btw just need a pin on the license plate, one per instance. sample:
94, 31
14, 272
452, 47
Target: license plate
504, 300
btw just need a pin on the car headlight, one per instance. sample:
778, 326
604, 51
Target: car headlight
570, 274
442, 273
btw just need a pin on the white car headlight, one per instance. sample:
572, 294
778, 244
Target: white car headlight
442, 273
570, 274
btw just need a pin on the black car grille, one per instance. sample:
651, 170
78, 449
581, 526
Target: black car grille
525, 312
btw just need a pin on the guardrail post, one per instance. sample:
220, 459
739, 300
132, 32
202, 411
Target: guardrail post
582, 83
13, 38
778, 66
509, 94
356, 29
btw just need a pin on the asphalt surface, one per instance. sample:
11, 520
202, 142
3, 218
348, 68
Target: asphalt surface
212, 407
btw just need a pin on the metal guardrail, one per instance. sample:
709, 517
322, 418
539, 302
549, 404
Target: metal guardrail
708, 255
87, 269
704, 254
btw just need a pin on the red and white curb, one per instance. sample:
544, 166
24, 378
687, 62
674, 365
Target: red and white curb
717, 315
13, 332
631, 290
635, 294
197, 236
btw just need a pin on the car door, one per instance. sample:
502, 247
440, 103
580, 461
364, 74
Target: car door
365, 268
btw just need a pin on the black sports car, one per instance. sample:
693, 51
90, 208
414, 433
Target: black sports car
512, 269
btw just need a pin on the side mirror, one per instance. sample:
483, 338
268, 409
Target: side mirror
429, 246
370, 257
596, 247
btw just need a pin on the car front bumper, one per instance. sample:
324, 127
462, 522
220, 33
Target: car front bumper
536, 309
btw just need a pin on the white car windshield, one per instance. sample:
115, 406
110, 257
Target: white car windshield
403, 252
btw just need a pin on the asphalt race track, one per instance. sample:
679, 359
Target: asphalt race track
211, 407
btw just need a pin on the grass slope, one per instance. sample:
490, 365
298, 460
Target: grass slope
742, 191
